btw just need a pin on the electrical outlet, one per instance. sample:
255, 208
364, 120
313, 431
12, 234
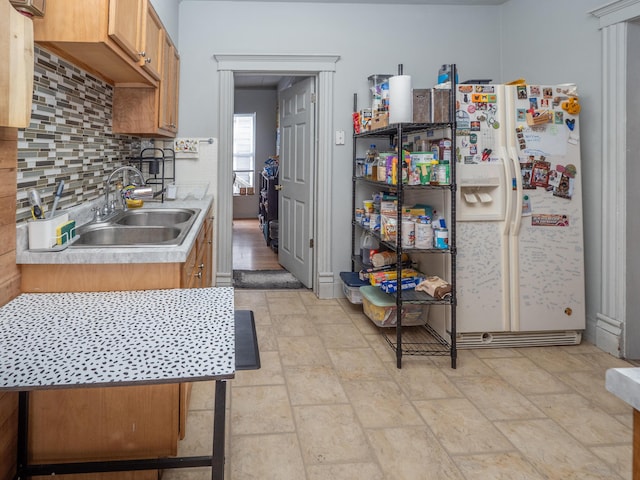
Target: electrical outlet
339, 137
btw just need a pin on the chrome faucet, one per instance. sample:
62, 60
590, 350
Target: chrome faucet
109, 208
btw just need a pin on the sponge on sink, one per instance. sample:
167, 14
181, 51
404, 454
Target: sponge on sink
65, 232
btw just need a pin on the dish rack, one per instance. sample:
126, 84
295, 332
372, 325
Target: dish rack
153, 162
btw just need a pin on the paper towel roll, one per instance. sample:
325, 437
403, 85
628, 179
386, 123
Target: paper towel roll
400, 99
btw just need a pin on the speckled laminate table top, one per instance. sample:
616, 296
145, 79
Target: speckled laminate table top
57, 340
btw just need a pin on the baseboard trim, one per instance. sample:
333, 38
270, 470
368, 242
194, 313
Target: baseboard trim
609, 334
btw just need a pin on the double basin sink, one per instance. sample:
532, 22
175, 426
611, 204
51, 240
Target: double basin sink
151, 227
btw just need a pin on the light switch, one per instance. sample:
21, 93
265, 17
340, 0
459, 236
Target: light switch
339, 137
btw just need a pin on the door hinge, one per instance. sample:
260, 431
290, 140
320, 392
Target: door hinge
311, 243
313, 98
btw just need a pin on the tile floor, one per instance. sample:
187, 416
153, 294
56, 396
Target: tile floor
329, 404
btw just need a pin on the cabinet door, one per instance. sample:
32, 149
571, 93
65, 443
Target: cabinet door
151, 54
126, 25
103, 423
168, 118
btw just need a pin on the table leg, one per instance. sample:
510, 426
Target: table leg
23, 430
217, 461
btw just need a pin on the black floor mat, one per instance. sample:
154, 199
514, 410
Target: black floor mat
247, 352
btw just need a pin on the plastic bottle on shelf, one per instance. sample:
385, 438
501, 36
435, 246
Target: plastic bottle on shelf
371, 162
381, 174
444, 74
368, 247
434, 173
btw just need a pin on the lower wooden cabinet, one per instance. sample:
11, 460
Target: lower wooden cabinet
197, 271
115, 422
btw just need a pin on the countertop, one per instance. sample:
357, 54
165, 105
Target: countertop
166, 254
625, 384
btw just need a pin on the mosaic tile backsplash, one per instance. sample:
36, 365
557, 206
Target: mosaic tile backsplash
69, 138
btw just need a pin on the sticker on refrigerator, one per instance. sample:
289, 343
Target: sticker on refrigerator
526, 205
549, 220
554, 178
564, 188
463, 120
558, 117
522, 92
525, 169
540, 173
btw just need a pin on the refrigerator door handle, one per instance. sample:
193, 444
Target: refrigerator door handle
508, 195
516, 219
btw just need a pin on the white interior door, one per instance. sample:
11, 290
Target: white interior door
297, 152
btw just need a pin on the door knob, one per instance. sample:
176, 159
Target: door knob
278, 187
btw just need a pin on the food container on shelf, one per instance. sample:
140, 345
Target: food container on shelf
351, 284
381, 307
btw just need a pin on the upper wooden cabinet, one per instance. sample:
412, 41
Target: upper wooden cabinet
150, 112
126, 25
142, 39
154, 35
168, 118
16, 67
104, 37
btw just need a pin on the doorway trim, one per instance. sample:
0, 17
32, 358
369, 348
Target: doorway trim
610, 332
323, 67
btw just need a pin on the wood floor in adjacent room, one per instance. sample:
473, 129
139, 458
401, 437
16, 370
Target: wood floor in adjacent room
250, 250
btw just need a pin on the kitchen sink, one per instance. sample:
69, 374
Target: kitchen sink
138, 228
159, 217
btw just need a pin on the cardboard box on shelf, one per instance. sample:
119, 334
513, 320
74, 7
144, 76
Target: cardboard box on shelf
380, 120
366, 119
422, 105
440, 105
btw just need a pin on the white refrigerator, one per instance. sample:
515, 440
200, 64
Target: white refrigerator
520, 255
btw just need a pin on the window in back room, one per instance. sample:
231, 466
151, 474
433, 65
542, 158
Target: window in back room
244, 156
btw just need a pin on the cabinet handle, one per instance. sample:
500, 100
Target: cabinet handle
142, 53
210, 242
198, 275
148, 60
201, 266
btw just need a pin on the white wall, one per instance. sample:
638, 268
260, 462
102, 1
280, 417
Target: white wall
547, 41
368, 38
168, 11
264, 103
